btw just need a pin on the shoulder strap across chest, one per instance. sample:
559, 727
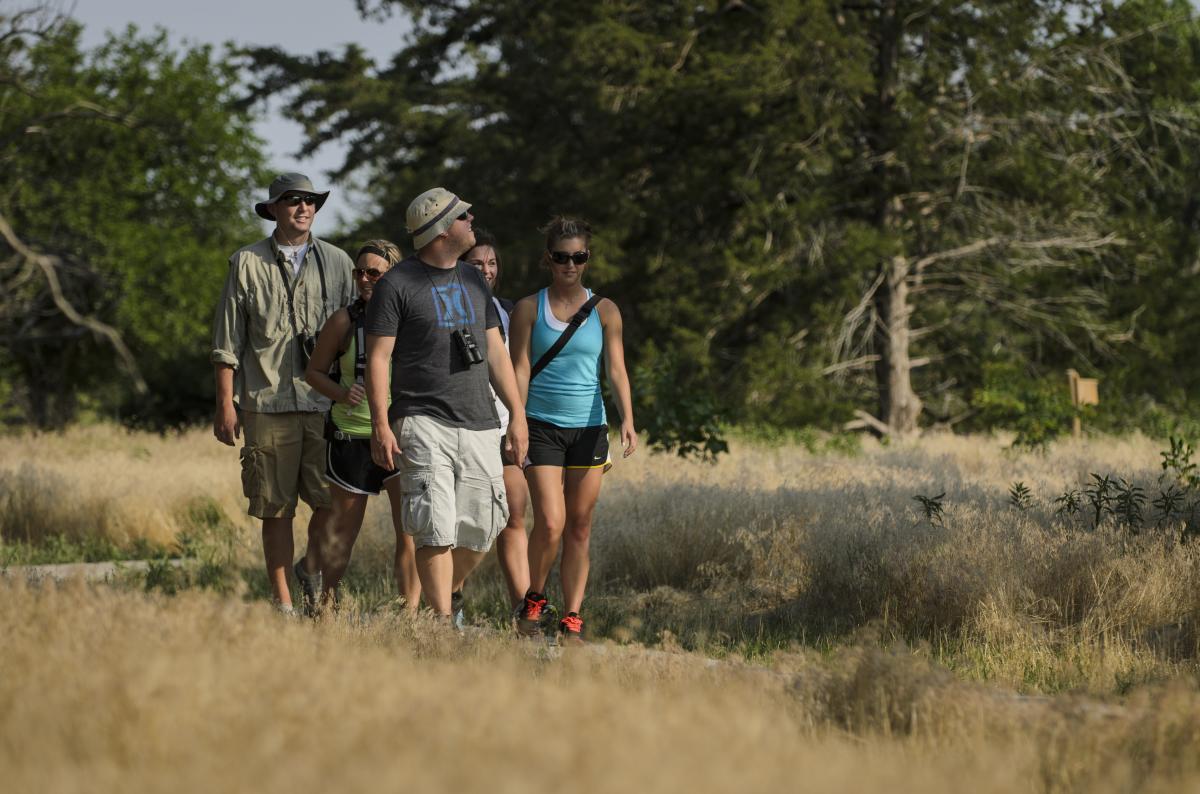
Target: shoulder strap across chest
565, 336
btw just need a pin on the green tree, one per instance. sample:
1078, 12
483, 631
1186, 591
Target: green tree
872, 198
126, 181
692, 135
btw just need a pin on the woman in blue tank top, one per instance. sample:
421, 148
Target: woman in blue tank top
568, 429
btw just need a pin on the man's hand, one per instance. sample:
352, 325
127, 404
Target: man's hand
517, 439
385, 450
355, 394
226, 426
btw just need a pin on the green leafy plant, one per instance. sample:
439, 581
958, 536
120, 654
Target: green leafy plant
1177, 463
1069, 503
1169, 503
1019, 496
1100, 494
1128, 500
675, 416
932, 507
1038, 409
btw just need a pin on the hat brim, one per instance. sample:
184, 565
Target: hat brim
261, 207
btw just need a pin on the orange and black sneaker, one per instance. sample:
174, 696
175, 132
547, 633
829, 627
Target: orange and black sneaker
570, 629
533, 612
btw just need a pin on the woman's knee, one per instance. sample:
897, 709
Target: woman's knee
551, 526
516, 523
578, 532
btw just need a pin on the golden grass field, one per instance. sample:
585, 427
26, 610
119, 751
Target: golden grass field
861, 647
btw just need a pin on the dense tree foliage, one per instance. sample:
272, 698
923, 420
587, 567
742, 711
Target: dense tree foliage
891, 213
124, 187
810, 208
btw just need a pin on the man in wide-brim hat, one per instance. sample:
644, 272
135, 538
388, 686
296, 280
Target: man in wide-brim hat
279, 292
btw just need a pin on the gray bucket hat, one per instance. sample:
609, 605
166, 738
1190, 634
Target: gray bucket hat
285, 183
432, 213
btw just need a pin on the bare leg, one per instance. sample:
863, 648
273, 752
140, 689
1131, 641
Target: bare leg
513, 546
435, 568
348, 510
582, 489
320, 529
465, 561
407, 582
549, 517
277, 551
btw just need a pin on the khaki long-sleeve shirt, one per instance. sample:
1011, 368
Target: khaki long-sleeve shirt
253, 332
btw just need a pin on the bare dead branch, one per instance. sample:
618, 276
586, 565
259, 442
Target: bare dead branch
862, 362
49, 268
865, 420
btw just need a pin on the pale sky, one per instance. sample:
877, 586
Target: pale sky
295, 25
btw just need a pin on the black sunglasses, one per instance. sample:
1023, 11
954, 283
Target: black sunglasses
369, 272
293, 201
463, 217
562, 257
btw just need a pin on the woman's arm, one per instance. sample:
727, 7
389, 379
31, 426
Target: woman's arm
329, 347
614, 365
520, 331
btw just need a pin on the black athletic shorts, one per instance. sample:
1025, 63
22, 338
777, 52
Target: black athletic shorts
505, 456
569, 447
348, 465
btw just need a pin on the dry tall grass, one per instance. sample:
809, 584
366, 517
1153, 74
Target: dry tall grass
110, 690
771, 548
890, 650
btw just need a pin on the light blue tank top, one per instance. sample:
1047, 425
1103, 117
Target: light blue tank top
567, 392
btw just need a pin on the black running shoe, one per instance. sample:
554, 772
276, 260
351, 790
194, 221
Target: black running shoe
570, 629
533, 612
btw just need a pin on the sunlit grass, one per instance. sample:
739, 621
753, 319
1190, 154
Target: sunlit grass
863, 646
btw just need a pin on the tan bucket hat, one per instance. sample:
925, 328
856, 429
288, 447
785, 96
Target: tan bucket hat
432, 213
289, 183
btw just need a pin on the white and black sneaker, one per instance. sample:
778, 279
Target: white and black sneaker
458, 617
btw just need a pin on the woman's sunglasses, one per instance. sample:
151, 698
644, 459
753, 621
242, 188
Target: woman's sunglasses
562, 257
369, 272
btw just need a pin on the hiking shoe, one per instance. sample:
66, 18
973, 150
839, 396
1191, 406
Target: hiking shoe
570, 629
458, 618
531, 615
310, 585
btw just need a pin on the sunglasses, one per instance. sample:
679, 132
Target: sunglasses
464, 216
294, 201
369, 272
562, 257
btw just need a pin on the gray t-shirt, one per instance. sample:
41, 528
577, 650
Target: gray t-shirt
421, 306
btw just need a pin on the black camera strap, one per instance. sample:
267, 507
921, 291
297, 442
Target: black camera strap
358, 315
565, 336
290, 283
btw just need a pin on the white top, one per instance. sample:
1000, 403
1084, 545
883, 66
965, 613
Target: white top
552, 321
294, 254
501, 411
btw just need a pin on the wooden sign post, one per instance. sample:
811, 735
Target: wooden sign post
1084, 391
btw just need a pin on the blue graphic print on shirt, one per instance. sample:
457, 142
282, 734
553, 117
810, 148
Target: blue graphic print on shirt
454, 309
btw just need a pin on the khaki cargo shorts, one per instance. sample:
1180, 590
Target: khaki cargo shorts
451, 484
283, 460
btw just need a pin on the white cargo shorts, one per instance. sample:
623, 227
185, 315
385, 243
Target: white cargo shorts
451, 484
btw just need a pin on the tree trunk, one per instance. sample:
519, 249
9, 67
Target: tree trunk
899, 405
